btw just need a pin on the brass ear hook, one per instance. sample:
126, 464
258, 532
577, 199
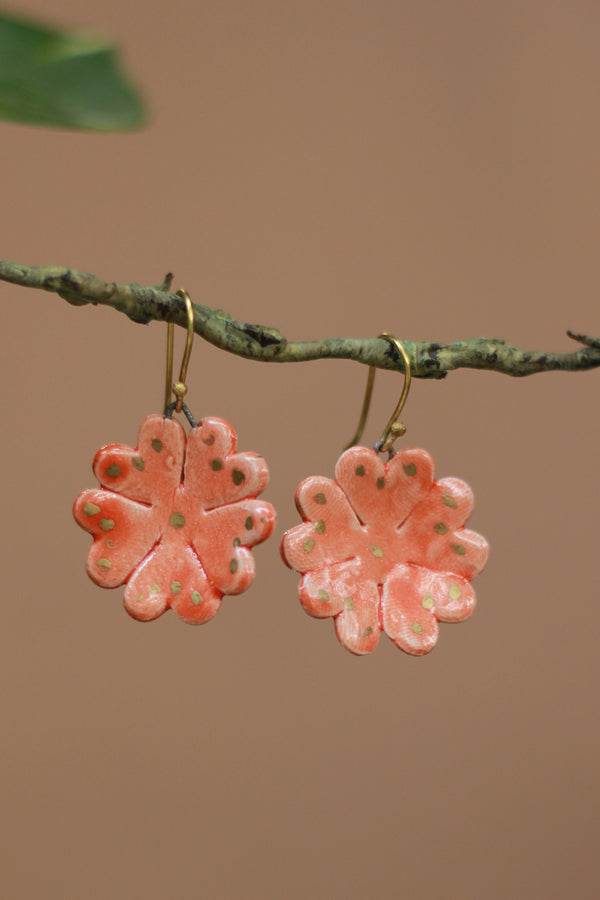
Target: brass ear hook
393, 429
180, 387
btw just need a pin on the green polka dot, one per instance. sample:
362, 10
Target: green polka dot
156, 445
380, 482
349, 602
216, 465
440, 528
320, 526
175, 587
248, 523
323, 596
418, 629
427, 602
209, 441
454, 592
177, 520
104, 564
320, 498
449, 501
237, 541
106, 524
113, 471
233, 566
155, 589
196, 598
138, 463
110, 544
366, 632
238, 477
90, 509
360, 471
308, 545
376, 551
458, 549
410, 469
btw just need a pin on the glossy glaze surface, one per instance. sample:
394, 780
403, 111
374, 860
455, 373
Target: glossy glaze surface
175, 518
384, 548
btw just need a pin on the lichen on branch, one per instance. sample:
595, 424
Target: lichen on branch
429, 359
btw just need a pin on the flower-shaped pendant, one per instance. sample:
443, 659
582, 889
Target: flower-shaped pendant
176, 518
383, 547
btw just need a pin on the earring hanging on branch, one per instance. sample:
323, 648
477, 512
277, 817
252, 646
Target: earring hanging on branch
428, 359
176, 516
383, 547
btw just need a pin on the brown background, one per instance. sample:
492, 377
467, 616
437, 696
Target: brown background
330, 169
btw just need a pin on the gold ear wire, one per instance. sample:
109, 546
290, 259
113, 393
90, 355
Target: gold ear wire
180, 387
393, 429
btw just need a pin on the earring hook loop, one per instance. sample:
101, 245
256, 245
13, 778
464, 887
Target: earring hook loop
394, 429
180, 387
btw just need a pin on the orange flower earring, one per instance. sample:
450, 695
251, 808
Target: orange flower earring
383, 547
176, 516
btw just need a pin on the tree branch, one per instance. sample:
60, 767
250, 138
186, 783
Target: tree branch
259, 342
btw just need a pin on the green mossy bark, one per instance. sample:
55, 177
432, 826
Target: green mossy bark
266, 344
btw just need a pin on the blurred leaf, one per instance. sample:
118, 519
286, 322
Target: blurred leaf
63, 80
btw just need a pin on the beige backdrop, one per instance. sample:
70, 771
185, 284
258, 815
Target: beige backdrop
329, 168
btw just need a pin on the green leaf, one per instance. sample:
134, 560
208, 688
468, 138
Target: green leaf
63, 80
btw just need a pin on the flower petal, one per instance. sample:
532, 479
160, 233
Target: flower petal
407, 605
323, 591
333, 534
453, 598
222, 537
123, 530
384, 492
434, 534
410, 476
250, 521
214, 473
319, 498
448, 498
361, 475
198, 601
306, 547
358, 625
151, 471
463, 552
171, 576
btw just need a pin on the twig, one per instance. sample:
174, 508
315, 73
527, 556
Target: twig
258, 342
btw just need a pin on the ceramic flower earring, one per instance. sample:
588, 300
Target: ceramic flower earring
383, 547
176, 516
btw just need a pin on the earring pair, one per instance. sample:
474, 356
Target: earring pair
381, 547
